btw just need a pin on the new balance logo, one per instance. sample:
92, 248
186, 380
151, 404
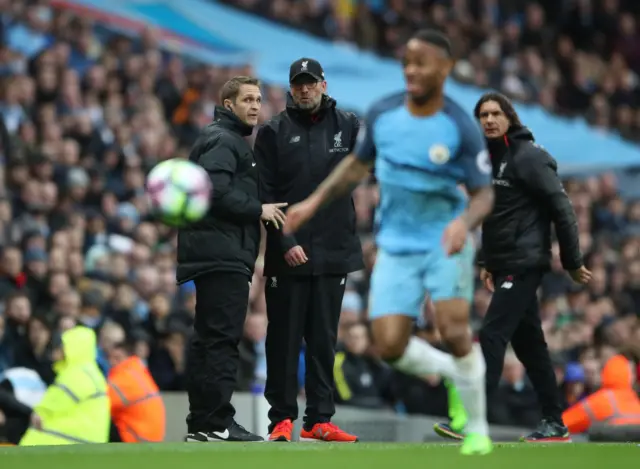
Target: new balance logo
508, 282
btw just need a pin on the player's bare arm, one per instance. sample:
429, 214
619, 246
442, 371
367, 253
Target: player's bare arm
480, 206
347, 175
344, 178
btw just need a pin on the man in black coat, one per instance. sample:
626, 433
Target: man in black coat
218, 253
516, 253
306, 274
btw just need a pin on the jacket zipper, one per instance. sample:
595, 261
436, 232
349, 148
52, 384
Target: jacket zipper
310, 253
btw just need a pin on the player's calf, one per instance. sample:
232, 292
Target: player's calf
469, 368
392, 336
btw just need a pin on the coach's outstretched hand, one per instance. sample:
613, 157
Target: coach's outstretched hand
581, 275
299, 214
272, 213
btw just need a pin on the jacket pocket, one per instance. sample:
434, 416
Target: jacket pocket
498, 236
250, 238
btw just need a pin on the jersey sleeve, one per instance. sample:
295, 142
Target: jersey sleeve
365, 148
473, 155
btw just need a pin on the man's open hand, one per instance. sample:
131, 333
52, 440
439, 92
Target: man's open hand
271, 213
581, 275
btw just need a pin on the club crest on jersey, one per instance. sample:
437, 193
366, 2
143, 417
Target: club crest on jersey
484, 163
439, 154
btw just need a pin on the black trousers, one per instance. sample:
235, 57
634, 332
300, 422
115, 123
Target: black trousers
221, 306
114, 434
302, 307
15, 428
18, 415
513, 316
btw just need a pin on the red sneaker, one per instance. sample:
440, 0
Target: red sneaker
327, 432
282, 431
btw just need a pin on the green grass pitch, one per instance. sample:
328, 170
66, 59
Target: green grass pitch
319, 456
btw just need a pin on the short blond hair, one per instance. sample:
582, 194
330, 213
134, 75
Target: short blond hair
231, 89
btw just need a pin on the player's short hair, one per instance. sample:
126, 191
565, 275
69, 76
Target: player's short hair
436, 38
504, 103
231, 89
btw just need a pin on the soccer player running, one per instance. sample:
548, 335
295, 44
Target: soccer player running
423, 144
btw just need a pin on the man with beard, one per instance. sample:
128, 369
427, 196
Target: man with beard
516, 252
306, 274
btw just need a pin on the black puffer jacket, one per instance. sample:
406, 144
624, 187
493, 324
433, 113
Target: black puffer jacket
295, 152
227, 239
529, 197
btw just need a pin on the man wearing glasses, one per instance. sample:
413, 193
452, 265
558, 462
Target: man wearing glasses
306, 274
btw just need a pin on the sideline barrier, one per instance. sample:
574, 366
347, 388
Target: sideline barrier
369, 425
615, 433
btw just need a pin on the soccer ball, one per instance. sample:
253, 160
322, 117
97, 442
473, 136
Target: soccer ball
179, 192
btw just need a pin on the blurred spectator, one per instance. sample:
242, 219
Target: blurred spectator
515, 402
616, 403
34, 352
137, 410
361, 381
253, 362
75, 409
573, 58
574, 383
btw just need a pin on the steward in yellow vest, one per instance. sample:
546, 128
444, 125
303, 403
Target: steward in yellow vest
75, 408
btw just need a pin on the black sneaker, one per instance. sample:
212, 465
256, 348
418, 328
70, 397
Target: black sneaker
235, 433
548, 432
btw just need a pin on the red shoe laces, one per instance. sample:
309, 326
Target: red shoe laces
284, 426
331, 427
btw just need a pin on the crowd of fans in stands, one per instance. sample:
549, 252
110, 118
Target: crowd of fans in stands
574, 57
86, 112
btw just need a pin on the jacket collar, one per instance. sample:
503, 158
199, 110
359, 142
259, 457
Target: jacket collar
228, 120
498, 147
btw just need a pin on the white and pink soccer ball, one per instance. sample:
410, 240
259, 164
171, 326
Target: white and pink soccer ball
179, 192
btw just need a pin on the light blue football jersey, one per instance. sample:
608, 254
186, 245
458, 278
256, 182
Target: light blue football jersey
419, 162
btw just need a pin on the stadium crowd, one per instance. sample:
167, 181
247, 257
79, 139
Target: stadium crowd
86, 112
574, 57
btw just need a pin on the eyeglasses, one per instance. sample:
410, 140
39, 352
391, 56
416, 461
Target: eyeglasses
310, 85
